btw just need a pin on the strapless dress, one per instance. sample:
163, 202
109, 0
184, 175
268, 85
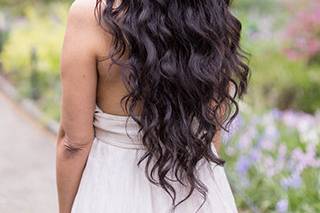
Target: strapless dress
113, 183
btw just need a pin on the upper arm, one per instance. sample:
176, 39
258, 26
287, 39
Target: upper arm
78, 74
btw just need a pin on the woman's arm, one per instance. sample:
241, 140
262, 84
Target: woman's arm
79, 79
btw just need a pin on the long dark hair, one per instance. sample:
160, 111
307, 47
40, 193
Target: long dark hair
183, 56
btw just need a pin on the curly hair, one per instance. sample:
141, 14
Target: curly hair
182, 58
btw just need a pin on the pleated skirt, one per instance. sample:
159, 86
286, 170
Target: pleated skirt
113, 183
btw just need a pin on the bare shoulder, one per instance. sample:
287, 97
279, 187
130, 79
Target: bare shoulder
82, 19
82, 12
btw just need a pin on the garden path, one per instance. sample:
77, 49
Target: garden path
27, 162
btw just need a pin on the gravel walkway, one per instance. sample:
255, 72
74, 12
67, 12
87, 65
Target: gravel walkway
27, 163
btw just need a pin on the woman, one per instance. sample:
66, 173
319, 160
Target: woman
142, 135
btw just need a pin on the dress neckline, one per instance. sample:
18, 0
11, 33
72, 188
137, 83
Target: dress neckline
113, 116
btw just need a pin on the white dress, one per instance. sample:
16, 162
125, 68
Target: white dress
113, 183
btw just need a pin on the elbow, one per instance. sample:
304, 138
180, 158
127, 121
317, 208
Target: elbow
74, 145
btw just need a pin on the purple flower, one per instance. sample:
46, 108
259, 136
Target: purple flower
293, 181
301, 160
290, 119
243, 165
282, 151
266, 143
276, 113
255, 155
298, 120
234, 127
282, 206
271, 132
246, 138
270, 167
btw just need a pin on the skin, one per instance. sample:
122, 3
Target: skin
79, 82
84, 84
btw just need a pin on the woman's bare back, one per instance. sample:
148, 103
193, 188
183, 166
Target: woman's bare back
110, 88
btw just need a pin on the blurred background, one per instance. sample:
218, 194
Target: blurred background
272, 150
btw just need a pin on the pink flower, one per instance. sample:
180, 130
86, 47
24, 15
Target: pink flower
303, 33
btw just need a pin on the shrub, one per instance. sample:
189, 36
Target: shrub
31, 55
264, 6
277, 80
280, 82
303, 34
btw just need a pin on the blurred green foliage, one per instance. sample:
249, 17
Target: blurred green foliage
3, 37
283, 83
31, 55
277, 80
262, 6
18, 7
39, 31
